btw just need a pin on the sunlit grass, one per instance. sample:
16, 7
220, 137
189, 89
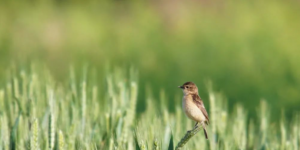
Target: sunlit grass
37, 112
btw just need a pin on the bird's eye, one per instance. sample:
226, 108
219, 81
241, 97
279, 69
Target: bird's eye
187, 87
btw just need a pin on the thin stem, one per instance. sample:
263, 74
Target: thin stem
186, 138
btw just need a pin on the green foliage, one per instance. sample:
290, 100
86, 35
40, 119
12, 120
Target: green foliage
13, 134
171, 144
249, 49
81, 114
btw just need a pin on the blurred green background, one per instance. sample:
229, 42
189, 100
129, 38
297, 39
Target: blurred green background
248, 49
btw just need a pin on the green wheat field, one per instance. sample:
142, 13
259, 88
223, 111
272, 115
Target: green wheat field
37, 112
103, 74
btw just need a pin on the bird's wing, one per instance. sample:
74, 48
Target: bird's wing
197, 100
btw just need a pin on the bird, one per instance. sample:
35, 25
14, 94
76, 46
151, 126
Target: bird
193, 106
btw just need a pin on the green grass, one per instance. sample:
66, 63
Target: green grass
38, 112
249, 49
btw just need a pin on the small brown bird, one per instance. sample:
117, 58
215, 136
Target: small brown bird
193, 106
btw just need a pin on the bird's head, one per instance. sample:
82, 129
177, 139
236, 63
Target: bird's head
189, 88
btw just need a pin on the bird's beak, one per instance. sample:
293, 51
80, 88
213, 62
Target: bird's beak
180, 87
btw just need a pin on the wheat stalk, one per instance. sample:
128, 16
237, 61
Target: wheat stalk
187, 137
61, 141
34, 145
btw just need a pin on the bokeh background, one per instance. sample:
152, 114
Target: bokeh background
249, 50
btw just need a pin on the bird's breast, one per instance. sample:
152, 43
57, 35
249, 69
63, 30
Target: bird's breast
191, 109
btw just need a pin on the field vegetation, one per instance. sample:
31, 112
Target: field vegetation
243, 56
248, 49
38, 112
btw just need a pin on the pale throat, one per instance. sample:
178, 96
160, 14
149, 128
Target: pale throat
189, 93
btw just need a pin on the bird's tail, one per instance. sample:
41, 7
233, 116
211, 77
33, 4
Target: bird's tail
205, 133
